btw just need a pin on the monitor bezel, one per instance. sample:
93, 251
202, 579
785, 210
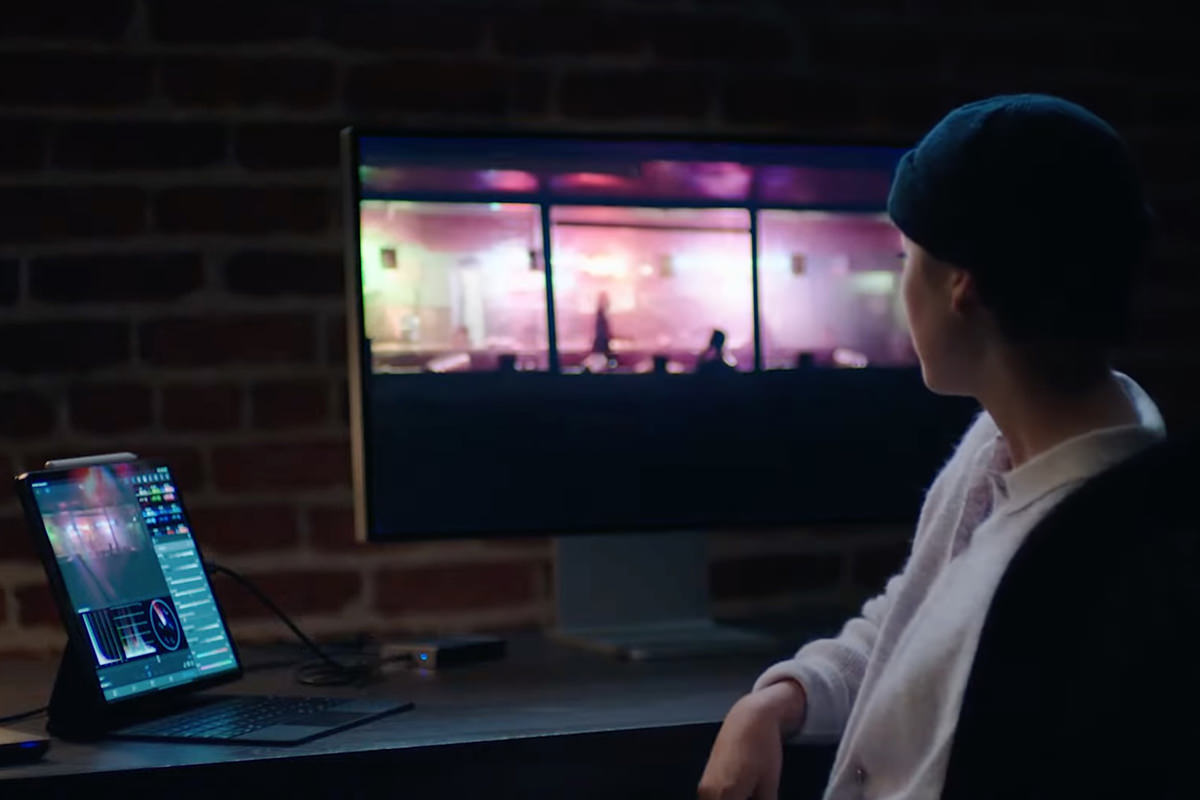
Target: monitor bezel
358, 358
76, 635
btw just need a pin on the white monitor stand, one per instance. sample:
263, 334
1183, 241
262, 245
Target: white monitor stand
642, 596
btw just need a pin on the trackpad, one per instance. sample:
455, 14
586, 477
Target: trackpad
324, 719
283, 734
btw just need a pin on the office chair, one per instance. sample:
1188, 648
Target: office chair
1084, 683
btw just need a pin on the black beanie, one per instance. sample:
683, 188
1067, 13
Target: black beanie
1032, 194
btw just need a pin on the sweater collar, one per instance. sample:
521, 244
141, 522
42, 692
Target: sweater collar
1078, 458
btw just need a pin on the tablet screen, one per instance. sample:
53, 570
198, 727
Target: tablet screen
133, 576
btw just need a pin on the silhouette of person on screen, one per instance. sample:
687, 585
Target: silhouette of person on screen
602, 339
714, 360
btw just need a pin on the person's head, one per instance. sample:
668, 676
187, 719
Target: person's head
602, 301
716, 342
1023, 220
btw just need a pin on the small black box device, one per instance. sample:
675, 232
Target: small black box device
21, 748
444, 651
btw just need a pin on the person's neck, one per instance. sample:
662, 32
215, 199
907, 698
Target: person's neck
1034, 417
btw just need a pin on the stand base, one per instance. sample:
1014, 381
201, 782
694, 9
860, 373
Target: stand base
652, 641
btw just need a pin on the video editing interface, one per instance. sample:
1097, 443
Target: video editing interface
134, 577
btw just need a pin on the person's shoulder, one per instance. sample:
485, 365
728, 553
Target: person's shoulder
978, 440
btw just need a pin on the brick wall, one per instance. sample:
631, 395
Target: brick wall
170, 276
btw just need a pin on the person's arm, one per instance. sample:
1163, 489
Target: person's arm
830, 671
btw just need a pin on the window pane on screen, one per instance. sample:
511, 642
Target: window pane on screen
644, 289
830, 291
453, 287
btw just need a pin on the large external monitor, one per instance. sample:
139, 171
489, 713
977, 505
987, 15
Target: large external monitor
564, 334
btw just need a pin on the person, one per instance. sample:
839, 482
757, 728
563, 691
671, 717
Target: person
602, 338
1023, 222
714, 360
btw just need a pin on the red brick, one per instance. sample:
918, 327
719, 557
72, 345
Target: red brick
201, 406
1045, 54
25, 414
295, 465
901, 111
636, 93
229, 21
77, 80
267, 273
726, 39
22, 146
335, 339
245, 529
10, 281
290, 404
115, 277
244, 209
243, 339
341, 407
1171, 106
186, 463
332, 528
1165, 157
892, 50
458, 87
1147, 55
138, 145
530, 91
808, 103
572, 31
95, 20
15, 542
35, 605
110, 407
3, 608
299, 592
461, 587
284, 145
68, 345
396, 28
231, 82
1178, 209
50, 213
758, 576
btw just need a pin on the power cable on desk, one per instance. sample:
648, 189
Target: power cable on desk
326, 671
23, 715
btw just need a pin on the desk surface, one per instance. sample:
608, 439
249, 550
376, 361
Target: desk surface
523, 708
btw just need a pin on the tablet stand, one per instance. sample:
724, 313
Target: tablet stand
76, 710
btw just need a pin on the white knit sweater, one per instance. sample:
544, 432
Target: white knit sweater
891, 683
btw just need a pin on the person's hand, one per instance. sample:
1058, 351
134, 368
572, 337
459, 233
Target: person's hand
747, 756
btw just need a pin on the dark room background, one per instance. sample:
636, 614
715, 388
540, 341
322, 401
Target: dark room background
170, 241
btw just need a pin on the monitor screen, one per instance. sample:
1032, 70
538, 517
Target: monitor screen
133, 576
562, 334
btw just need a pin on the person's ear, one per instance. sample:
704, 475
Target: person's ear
964, 295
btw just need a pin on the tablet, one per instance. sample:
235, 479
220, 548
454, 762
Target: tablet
128, 578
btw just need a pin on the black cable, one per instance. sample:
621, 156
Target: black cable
326, 671
23, 715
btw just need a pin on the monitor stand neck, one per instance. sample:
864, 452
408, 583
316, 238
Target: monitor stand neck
642, 596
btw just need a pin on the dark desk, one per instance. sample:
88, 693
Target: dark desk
548, 721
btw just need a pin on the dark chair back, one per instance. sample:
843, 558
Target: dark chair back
1085, 683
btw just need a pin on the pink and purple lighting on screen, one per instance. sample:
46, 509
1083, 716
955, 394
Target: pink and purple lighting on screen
461, 286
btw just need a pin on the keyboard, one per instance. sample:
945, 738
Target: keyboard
237, 717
